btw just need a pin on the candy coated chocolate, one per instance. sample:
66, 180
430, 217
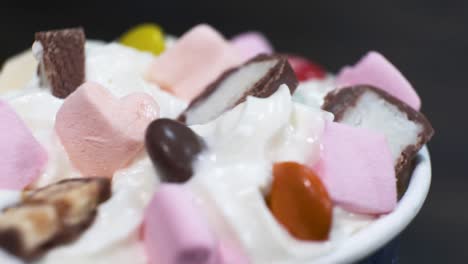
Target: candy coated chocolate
305, 69
173, 147
175, 229
23, 158
300, 202
145, 37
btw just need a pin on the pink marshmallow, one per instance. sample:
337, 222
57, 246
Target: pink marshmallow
356, 166
251, 44
23, 158
101, 133
230, 253
374, 69
175, 231
194, 61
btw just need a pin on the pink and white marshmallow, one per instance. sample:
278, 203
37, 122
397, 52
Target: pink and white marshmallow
23, 157
175, 231
374, 69
194, 61
251, 44
101, 133
356, 166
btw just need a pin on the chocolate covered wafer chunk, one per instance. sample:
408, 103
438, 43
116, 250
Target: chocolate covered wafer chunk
26, 230
50, 216
62, 59
75, 199
259, 77
406, 129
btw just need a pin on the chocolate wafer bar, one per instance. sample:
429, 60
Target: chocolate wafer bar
62, 59
406, 129
50, 216
75, 199
26, 230
259, 77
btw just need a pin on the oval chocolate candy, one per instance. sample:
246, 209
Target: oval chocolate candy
300, 202
172, 147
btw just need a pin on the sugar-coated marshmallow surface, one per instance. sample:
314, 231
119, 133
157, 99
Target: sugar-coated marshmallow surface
251, 44
365, 183
175, 230
374, 69
217, 190
178, 70
23, 157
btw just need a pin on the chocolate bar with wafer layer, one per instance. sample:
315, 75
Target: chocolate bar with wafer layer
259, 77
61, 54
406, 129
51, 216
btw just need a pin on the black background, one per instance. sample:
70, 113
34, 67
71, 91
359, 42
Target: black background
427, 40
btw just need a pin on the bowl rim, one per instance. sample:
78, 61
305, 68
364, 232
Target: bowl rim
383, 230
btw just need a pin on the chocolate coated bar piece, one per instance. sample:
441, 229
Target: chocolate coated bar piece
259, 77
62, 62
25, 231
53, 215
406, 129
75, 199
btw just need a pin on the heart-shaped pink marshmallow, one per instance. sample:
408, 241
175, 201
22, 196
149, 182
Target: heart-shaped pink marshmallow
101, 133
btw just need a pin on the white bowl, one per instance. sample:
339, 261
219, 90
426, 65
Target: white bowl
383, 230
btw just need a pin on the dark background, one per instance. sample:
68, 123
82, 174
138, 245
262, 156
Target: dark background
427, 40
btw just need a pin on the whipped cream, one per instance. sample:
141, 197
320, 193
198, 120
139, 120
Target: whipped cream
231, 177
113, 237
234, 175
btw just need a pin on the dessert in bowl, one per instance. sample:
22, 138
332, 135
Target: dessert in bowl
204, 150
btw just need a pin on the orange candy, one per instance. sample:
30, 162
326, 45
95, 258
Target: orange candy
299, 201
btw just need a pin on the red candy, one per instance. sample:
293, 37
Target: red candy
305, 69
300, 202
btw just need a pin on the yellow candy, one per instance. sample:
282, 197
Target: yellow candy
145, 37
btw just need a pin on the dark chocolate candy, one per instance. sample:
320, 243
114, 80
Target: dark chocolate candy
55, 214
341, 102
62, 66
259, 77
173, 148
